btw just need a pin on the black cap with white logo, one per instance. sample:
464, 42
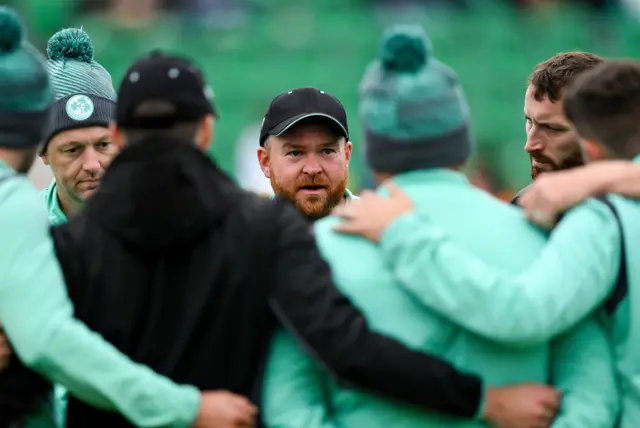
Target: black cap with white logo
171, 80
291, 107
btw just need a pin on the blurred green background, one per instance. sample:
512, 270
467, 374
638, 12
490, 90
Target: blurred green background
251, 50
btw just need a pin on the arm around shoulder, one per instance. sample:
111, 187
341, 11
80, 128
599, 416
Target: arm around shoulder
622, 177
38, 318
336, 333
571, 277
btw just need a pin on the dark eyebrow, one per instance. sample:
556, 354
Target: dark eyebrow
552, 124
544, 120
104, 139
72, 144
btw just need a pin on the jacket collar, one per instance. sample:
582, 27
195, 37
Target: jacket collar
435, 175
50, 197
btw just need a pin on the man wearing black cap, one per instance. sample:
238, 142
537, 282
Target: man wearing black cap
203, 273
305, 150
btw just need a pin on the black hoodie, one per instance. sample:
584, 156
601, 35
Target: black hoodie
184, 272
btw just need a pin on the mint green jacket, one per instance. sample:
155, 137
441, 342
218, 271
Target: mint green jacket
579, 362
37, 316
572, 276
54, 210
56, 217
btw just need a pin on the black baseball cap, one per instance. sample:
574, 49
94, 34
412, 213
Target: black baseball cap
291, 107
170, 79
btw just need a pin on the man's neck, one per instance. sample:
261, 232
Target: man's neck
11, 158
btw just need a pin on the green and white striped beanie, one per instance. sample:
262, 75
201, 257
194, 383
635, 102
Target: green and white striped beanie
82, 88
72, 67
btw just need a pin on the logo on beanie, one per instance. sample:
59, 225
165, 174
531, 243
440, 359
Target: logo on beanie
79, 107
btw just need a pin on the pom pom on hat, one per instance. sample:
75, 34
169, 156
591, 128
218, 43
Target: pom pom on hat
412, 108
72, 67
23, 112
405, 48
72, 43
11, 31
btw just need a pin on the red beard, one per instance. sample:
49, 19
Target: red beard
313, 206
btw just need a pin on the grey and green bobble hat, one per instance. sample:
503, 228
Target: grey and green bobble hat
412, 108
25, 90
83, 89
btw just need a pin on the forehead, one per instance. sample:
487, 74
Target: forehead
308, 134
88, 135
543, 110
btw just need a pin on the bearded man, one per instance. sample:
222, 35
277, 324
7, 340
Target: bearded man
305, 150
552, 143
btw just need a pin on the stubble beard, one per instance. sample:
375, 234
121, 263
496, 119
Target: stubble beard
574, 159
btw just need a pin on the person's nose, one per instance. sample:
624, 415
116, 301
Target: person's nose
534, 142
312, 165
91, 161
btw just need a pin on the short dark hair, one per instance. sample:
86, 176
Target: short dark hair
604, 105
551, 77
185, 131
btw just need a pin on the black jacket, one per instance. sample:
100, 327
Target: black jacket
23, 393
184, 272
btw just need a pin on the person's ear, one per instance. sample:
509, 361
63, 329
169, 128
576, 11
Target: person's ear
117, 136
592, 151
348, 151
264, 159
204, 138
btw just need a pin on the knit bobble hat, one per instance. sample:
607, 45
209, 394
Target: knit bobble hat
25, 89
72, 67
83, 89
412, 108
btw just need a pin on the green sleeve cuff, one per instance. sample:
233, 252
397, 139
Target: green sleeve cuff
191, 407
483, 403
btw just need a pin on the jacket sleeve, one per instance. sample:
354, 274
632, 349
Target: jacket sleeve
336, 334
583, 369
37, 316
295, 388
574, 274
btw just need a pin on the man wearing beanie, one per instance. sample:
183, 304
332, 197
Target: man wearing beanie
305, 150
36, 313
416, 124
77, 143
166, 215
586, 264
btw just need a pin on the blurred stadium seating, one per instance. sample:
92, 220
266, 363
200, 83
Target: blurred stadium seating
252, 50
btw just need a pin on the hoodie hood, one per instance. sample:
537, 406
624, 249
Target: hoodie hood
161, 193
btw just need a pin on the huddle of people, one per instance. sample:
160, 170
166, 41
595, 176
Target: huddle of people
144, 288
